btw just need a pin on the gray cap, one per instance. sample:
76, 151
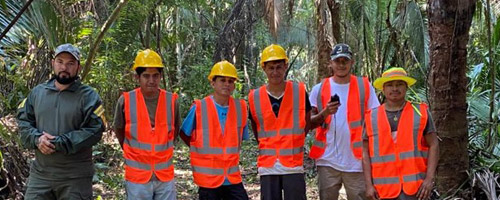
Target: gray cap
69, 48
341, 50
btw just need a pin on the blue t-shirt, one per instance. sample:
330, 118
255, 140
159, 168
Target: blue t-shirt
190, 122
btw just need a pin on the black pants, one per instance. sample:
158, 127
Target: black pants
224, 192
293, 186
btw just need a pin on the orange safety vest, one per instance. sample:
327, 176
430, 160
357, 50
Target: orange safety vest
357, 103
280, 137
146, 149
401, 164
214, 155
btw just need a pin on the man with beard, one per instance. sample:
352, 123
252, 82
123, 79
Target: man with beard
61, 120
339, 103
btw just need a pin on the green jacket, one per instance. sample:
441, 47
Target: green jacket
73, 116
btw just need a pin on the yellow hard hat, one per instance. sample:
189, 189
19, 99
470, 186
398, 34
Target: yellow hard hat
223, 68
392, 74
273, 52
147, 58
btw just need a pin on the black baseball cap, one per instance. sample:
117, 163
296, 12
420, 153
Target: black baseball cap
341, 50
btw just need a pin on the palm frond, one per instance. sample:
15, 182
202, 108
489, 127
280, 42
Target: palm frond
487, 182
418, 36
273, 10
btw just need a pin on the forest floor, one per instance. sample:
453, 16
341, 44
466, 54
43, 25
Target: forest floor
109, 180
109, 176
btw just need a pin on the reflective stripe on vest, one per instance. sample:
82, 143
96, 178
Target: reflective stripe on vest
281, 136
362, 98
148, 150
399, 165
214, 171
147, 166
133, 125
376, 158
395, 180
215, 155
283, 152
239, 123
319, 143
207, 149
295, 130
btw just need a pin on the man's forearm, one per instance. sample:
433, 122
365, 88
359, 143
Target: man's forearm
185, 138
308, 123
433, 158
86, 137
367, 168
28, 134
254, 130
120, 135
74, 141
178, 120
29, 137
317, 118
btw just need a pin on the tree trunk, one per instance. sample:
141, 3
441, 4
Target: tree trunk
334, 8
178, 46
324, 45
449, 24
231, 35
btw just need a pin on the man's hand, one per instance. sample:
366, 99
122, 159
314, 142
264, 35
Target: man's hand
44, 144
425, 190
331, 108
371, 193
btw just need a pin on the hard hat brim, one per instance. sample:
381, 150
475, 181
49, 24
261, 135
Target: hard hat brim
147, 66
274, 58
210, 77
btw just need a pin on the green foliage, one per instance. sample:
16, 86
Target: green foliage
109, 170
4, 5
196, 85
13, 95
496, 35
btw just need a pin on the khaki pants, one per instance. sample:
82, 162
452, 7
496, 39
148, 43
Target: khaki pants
330, 181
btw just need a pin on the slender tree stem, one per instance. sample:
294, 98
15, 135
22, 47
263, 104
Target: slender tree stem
492, 121
104, 29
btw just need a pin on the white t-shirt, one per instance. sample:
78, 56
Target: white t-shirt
338, 153
279, 169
